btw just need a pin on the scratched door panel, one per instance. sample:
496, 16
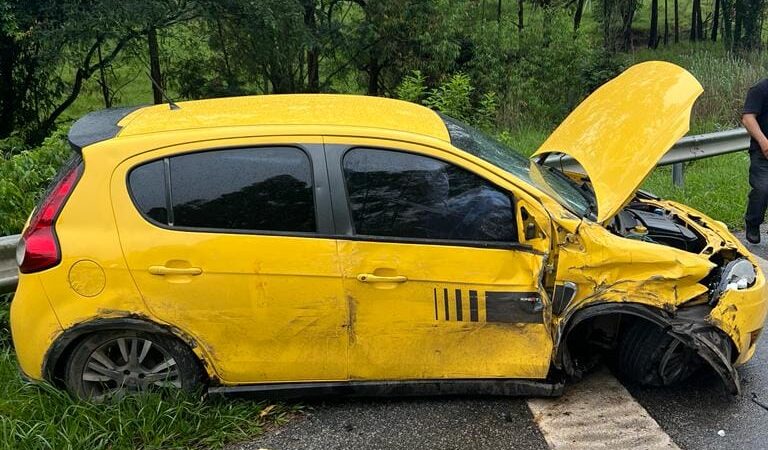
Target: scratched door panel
462, 313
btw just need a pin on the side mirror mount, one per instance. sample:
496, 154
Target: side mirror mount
531, 231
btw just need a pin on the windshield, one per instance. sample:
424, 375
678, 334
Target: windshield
553, 182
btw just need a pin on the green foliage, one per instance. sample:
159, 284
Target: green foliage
25, 176
43, 417
413, 88
454, 97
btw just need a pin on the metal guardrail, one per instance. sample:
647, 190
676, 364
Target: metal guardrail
9, 274
689, 148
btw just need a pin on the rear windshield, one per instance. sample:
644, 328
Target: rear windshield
549, 180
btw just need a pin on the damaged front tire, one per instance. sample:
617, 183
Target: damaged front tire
648, 355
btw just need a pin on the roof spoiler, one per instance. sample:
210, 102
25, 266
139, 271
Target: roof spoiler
97, 126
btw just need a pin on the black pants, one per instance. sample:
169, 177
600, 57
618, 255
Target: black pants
758, 196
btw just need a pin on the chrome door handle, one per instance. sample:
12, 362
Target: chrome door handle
371, 278
163, 270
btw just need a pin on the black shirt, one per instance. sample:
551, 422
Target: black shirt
757, 103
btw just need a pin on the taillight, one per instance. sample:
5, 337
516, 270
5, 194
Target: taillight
39, 246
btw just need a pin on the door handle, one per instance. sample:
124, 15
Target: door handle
163, 270
371, 278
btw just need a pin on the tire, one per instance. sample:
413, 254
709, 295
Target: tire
651, 357
116, 362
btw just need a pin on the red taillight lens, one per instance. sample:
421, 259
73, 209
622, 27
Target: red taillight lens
39, 246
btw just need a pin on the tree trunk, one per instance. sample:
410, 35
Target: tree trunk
694, 24
677, 22
577, 15
738, 18
653, 37
519, 15
666, 23
313, 52
498, 12
715, 21
726, 9
154, 66
103, 81
628, 17
374, 73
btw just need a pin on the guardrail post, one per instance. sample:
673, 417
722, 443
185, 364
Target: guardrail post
678, 174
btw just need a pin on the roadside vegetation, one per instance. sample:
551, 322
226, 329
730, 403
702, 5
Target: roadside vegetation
512, 67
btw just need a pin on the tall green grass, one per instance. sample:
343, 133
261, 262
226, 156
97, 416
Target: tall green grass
42, 417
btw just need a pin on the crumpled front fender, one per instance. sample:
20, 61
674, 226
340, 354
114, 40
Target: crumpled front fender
689, 325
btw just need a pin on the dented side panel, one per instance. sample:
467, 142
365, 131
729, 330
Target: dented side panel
463, 313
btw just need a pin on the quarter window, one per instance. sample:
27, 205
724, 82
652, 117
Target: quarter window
398, 194
253, 189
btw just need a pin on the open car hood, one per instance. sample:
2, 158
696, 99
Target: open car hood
621, 131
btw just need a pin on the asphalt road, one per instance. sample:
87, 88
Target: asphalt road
696, 415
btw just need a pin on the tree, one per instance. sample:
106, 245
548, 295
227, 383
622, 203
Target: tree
677, 22
577, 15
393, 37
653, 36
36, 37
666, 23
697, 28
715, 21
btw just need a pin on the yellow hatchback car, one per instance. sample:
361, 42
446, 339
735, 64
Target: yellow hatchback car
359, 245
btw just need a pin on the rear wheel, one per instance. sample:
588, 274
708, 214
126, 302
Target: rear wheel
649, 355
112, 363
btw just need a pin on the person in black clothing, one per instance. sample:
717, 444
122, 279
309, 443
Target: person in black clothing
754, 116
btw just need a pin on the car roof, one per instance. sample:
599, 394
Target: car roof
261, 110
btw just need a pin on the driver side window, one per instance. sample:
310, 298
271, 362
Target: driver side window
397, 194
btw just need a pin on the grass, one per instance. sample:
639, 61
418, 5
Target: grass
716, 186
42, 417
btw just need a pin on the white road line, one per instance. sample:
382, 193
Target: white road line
597, 413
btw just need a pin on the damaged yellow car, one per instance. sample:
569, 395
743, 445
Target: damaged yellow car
358, 245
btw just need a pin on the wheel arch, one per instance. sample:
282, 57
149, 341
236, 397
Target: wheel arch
691, 325
57, 355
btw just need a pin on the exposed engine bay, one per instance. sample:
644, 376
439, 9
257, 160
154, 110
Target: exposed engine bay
650, 223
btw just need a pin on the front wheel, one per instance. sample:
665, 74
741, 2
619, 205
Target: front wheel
649, 355
109, 363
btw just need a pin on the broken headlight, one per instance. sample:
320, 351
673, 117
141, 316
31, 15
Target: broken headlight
736, 275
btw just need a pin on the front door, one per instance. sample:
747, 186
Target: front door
438, 284
227, 245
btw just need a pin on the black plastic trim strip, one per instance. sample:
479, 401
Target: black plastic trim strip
399, 388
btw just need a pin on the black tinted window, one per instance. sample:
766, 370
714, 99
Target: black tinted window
148, 188
243, 189
404, 195
259, 189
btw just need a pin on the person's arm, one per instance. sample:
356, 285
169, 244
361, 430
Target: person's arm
753, 128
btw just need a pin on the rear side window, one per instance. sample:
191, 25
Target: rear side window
397, 194
149, 193
250, 189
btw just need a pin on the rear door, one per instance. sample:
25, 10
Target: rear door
439, 284
230, 244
